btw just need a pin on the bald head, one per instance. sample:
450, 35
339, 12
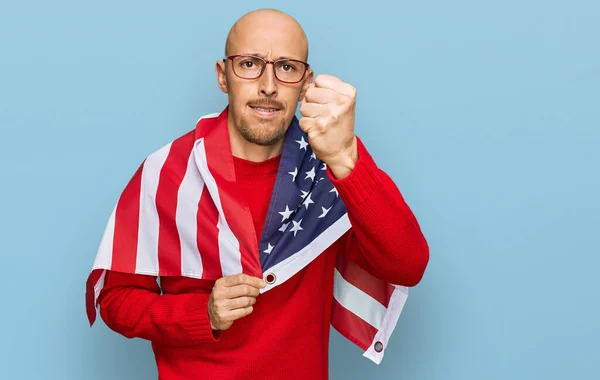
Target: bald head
264, 27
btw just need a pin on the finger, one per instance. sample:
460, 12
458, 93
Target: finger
242, 278
238, 313
320, 95
326, 78
243, 290
307, 123
311, 85
313, 109
241, 302
330, 82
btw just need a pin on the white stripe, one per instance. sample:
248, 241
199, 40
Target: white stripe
358, 302
147, 249
208, 116
104, 256
186, 218
394, 309
188, 199
229, 246
98, 286
293, 264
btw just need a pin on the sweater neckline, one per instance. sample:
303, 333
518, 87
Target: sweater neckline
246, 167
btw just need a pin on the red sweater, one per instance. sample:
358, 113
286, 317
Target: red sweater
287, 334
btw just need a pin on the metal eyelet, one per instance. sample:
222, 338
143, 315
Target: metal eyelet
271, 278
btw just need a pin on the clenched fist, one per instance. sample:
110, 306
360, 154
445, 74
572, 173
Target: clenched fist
232, 298
328, 109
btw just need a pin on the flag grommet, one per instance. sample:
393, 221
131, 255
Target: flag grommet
378, 346
270, 278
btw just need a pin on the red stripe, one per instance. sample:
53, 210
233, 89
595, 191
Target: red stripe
351, 326
171, 176
207, 238
237, 213
363, 280
127, 217
90, 306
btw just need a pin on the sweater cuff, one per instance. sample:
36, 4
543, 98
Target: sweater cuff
362, 181
198, 326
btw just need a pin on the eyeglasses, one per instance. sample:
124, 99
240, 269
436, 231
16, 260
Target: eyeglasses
251, 67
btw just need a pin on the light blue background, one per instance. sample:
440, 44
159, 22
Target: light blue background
486, 114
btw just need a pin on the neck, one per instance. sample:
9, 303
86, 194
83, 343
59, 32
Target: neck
242, 148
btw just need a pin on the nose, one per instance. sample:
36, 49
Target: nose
268, 82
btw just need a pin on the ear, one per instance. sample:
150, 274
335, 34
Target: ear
307, 81
221, 75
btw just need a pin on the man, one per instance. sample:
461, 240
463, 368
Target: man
230, 328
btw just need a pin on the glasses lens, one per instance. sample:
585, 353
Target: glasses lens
289, 70
247, 67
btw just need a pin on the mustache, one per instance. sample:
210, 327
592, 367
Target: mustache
267, 103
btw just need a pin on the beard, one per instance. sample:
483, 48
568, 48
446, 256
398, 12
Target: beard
262, 133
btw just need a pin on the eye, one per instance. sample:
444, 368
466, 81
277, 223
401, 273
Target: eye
247, 64
288, 67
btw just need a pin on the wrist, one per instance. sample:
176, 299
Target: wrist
342, 165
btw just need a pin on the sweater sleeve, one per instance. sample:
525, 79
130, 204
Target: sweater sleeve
385, 238
131, 305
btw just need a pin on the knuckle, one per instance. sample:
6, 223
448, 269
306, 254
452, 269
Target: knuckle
219, 307
352, 90
346, 101
217, 293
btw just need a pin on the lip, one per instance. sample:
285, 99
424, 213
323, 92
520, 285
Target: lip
265, 113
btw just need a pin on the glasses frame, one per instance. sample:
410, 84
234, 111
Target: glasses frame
232, 57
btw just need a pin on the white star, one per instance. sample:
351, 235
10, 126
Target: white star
334, 190
313, 156
286, 214
311, 174
284, 226
303, 193
294, 174
308, 201
324, 166
302, 143
325, 211
269, 248
319, 180
296, 227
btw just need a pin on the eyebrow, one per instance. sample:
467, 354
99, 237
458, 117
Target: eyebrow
263, 56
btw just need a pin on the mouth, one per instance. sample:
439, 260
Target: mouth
265, 111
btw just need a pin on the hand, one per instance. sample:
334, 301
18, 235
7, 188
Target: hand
232, 298
328, 109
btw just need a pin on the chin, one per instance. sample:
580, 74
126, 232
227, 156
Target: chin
262, 133
264, 138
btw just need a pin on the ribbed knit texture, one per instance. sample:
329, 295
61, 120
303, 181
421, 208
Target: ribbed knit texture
287, 335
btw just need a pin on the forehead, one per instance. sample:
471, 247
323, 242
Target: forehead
270, 41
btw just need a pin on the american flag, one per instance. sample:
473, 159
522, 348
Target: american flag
181, 214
